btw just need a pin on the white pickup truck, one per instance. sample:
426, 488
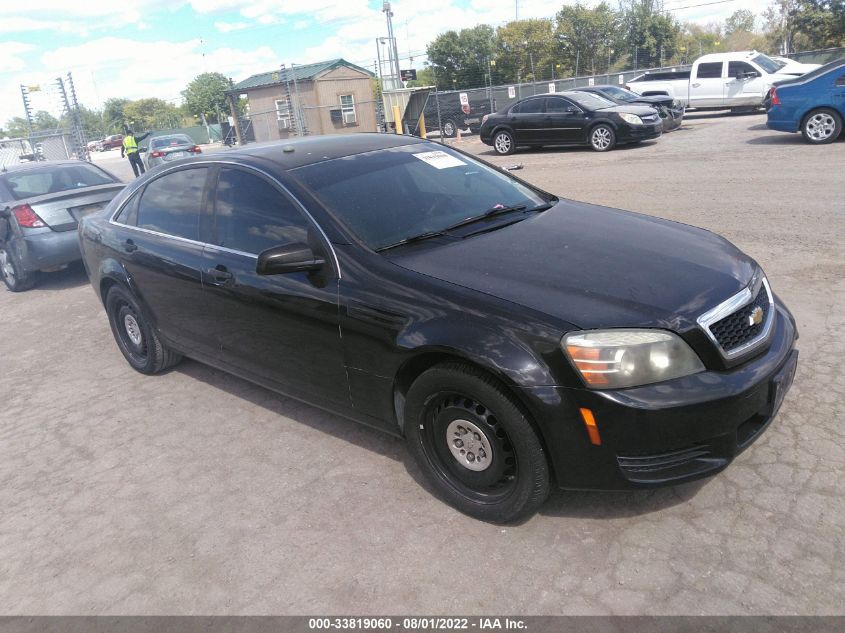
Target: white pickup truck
718, 80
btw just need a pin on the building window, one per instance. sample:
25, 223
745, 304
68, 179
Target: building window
347, 108
283, 113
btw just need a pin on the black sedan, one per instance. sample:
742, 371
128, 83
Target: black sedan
670, 110
569, 118
515, 339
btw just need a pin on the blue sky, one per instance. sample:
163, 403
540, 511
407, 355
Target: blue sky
140, 48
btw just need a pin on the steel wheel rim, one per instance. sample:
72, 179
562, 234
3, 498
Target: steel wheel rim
494, 480
8, 270
601, 138
820, 126
449, 128
135, 346
503, 143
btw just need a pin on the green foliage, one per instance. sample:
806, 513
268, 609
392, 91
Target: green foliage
742, 20
459, 58
587, 37
151, 113
113, 115
425, 77
651, 34
792, 25
206, 95
524, 50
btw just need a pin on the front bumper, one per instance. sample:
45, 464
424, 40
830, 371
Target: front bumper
632, 133
47, 249
666, 433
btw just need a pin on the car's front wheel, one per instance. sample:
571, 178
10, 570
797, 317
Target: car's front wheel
450, 128
474, 444
602, 138
503, 143
137, 340
822, 126
13, 273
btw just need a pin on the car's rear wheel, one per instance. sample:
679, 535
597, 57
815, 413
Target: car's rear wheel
602, 138
474, 444
503, 143
450, 128
137, 340
13, 273
822, 126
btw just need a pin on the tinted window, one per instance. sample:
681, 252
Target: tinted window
251, 215
171, 204
590, 100
129, 213
710, 71
768, 64
620, 93
740, 67
54, 179
532, 106
557, 104
431, 188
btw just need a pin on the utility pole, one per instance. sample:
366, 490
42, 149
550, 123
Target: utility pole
385, 8
78, 138
27, 107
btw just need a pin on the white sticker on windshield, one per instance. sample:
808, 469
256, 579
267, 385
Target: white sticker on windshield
440, 160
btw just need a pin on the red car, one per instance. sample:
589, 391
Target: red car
111, 142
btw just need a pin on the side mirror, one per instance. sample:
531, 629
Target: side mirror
290, 258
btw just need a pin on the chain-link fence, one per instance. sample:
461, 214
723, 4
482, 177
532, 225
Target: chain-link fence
38, 147
821, 56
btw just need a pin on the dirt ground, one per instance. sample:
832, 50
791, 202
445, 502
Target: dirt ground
195, 492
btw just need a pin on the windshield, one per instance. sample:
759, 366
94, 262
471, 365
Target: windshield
53, 179
164, 141
390, 195
767, 63
620, 93
589, 100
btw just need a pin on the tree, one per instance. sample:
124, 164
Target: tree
650, 33
151, 113
425, 77
524, 51
460, 59
586, 37
206, 94
113, 115
740, 21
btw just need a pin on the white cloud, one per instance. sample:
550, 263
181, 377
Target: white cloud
11, 56
226, 27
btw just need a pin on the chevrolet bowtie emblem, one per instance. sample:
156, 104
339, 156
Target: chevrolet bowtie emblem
756, 317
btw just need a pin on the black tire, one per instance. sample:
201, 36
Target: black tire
145, 353
453, 399
602, 138
821, 126
450, 128
11, 270
503, 143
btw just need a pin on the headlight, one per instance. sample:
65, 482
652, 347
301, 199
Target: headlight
484, 119
612, 359
633, 119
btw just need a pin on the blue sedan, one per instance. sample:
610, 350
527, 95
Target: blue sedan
813, 104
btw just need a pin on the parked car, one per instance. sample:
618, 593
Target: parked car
813, 104
111, 142
40, 205
446, 108
670, 110
95, 146
163, 149
569, 118
512, 337
716, 81
792, 67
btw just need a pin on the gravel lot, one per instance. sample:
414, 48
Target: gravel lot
195, 492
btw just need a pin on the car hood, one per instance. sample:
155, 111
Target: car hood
639, 110
593, 267
656, 99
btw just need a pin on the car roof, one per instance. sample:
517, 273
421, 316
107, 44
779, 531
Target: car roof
39, 165
293, 153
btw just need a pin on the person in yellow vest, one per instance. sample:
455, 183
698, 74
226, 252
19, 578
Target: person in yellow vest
130, 149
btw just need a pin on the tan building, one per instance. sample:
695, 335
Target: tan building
331, 97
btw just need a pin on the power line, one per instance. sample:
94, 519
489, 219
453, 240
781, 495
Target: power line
703, 4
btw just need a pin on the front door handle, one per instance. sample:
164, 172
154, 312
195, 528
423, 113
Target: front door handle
129, 246
696, 85
220, 273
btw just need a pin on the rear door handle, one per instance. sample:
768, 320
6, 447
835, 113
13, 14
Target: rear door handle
219, 273
129, 246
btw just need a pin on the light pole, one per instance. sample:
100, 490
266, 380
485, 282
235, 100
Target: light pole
385, 8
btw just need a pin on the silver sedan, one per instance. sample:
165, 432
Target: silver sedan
164, 149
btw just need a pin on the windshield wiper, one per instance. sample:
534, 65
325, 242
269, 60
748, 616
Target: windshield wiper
490, 213
409, 240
